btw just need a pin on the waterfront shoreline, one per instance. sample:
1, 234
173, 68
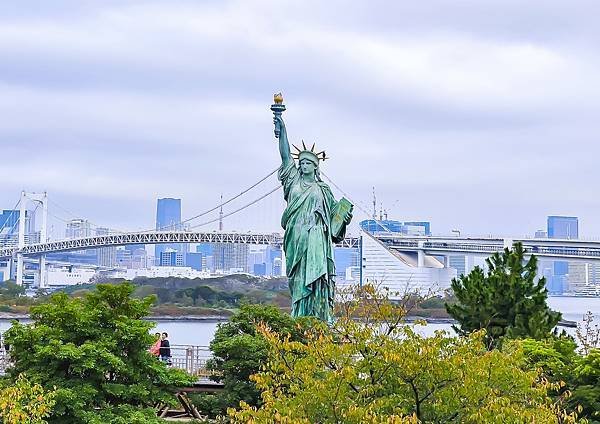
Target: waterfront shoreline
218, 318
208, 318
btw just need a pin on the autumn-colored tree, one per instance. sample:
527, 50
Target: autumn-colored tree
376, 369
25, 402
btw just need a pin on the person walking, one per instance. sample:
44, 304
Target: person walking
165, 349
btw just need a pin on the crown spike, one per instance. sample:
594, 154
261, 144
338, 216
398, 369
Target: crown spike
303, 145
295, 147
312, 149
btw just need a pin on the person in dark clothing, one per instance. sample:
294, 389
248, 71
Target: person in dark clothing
165, 349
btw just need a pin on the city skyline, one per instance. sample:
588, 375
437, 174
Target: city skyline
385, 221
466, 122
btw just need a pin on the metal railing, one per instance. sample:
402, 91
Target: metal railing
190, 358
4, 360
154, 237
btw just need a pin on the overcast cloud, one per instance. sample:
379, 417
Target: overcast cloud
481, 116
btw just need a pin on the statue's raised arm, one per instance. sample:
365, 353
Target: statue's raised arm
284, 145
280, 132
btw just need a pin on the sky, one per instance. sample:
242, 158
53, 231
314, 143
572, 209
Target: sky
476, 116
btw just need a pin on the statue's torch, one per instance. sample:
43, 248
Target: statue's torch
277, 107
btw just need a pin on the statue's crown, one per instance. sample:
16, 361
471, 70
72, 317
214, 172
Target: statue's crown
311, 154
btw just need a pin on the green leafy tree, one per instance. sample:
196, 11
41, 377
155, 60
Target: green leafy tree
9, 289
379, 370
94, 350
239, 351
574, 370
506, 302
204, 292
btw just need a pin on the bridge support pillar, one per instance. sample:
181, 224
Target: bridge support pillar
19, 279
420, 258
283, 264
42, 279
21, 243
421, 255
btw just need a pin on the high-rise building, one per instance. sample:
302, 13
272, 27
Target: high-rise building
459, 263
278, 267
259, 270
124, 257
194, 260
376, 226
257, 263
134, 247
168, 218
171, 257
231, 256
9, 221
9, 227
207, 249
578, 277
345, 257
132, 259
273, 260
107, 256
208, 256
139, 258
413, 228
561, 227
78, 228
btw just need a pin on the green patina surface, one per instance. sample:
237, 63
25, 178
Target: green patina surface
312, 221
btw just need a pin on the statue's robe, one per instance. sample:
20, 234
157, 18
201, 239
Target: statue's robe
307, 244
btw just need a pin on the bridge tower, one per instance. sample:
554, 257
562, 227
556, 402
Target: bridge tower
41, 198
21, 239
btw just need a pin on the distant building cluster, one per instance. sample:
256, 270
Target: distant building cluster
372, 262
564, 277
9, 234
412, 228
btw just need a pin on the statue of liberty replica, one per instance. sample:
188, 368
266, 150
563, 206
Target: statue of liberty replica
312, 221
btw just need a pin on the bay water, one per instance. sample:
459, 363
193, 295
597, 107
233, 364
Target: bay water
201, 332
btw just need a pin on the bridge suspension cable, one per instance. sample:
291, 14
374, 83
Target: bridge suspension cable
12, 212
357, 204
239, 209
235, 197
231, 199
78, 216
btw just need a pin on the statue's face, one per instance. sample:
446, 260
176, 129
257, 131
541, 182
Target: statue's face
307, 167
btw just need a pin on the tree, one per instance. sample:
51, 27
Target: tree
575, 369
239, 351
506, 302
379, 370
10, 289
201, 292
94, 350
25, 402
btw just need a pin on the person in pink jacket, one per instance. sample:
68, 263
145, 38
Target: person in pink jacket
155, 348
